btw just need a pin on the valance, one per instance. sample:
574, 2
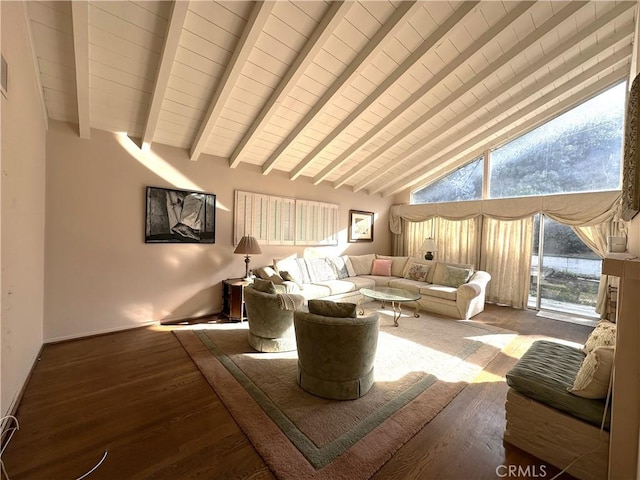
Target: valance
575, 209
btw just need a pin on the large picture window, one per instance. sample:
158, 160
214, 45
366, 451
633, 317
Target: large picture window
579, 151
464, 183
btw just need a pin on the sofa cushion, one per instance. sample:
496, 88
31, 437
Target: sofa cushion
594, 376
417, 271
320, 269
546, 371
419, 261
406, 284
327, 308
337, 286
439, 291
361, 282
315, 290
381, 267
379, 280
362, 264
603, 335
265, 286
397, 264
450, 274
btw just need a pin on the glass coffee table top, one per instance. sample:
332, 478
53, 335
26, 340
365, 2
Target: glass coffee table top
396, 296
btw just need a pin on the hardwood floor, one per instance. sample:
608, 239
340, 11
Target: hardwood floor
137, 395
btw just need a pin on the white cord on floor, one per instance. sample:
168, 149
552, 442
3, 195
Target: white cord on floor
3, 421
95, 467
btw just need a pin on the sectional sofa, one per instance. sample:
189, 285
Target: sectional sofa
454, 290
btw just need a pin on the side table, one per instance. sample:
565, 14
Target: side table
233, 299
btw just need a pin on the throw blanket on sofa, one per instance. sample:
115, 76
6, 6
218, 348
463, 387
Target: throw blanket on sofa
290, 301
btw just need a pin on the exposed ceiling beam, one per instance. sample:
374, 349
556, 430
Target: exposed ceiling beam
80, 20
454, 163
448, 159
253, 29
517, 49
330, 21
425, 47
36, 66
404, 11
574, 63
174, 29
449, 69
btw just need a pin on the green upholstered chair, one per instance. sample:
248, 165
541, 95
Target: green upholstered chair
335, 355
270, 326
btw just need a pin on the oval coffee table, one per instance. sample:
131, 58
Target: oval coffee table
396, 296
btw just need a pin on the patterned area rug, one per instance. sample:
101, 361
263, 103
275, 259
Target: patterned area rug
420, 367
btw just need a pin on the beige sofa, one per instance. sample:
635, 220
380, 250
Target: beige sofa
341, 278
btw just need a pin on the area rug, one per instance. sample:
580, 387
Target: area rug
420, 367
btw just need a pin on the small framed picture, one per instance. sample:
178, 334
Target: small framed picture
360, 226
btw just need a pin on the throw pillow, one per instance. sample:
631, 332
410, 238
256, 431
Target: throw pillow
455, 276
398, 264
417, 272
430, 264
592, 380
265, 286
362, 263
381, 267
268, 273
327, 308
320, 269
343, 267
290, 278
602, 336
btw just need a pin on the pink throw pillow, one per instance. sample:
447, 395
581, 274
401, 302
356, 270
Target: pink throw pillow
381, 267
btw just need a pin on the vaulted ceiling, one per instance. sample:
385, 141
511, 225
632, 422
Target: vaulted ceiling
374, 96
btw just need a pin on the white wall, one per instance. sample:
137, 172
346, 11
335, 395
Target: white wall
101, 276
23, 211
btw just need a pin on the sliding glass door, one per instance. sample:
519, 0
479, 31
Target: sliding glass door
564, 272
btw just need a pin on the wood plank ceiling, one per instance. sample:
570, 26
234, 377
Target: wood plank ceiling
374, 96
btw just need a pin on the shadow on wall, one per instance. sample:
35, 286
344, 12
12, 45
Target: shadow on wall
198, 305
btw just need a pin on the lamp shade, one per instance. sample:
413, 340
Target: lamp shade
429, 245
248, 246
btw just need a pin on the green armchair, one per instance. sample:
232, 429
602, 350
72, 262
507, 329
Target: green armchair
270, 326
335, 355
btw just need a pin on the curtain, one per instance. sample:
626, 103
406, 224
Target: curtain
400, 241
457, 241
595, 237
506, 255
418, 231
569, 209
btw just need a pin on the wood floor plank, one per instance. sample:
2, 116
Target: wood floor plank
137, 395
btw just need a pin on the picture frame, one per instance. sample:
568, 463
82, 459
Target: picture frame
630, 202
360, 226
179, 216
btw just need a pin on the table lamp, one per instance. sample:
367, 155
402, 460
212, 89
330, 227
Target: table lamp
429, 246
248, 246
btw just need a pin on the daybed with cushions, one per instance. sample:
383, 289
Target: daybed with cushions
450, 289
556, 403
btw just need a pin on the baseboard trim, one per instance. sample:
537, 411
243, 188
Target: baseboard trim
15, 403
107, 331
